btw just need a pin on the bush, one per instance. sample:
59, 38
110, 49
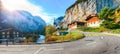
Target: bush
70, 37
76, 35
63, 38
60, 38
51, 38
31, 38
50, 30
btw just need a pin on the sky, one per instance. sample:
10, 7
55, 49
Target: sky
46, 9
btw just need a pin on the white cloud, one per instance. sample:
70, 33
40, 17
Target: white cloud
12, 5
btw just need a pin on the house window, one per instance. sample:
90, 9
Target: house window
17, 32
8, 32
22, 35
17, 35
3, 32
91, 23
3, 36
13, 32
8, 36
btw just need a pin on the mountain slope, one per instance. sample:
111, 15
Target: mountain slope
20, 20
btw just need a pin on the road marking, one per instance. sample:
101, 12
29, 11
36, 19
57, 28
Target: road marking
90, 43
40, 49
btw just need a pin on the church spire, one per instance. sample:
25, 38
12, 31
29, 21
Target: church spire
54, 22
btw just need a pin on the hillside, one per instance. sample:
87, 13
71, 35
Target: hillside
83, 8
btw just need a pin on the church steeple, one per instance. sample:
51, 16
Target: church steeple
54, 22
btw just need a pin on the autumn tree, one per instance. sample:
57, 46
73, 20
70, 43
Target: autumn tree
50, 30
116, 15
110, 17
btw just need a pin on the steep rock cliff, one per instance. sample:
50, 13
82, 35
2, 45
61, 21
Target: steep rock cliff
80, 11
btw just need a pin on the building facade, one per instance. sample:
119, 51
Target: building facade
93, 21
76, 24
10, 33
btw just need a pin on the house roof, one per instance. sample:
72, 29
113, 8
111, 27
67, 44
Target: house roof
77, 22
9, 29
6, 29
91, 16
93, 19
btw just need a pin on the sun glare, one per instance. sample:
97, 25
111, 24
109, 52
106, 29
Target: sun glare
12, 5
26, 5
8, 4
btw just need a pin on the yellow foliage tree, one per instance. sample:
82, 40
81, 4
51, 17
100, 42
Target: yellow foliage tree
116, 15
50, 29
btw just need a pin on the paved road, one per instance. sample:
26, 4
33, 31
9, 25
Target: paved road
88, 45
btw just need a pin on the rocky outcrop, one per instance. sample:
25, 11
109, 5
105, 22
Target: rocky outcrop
80, 11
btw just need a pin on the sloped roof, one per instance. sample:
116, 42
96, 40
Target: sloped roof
94, 19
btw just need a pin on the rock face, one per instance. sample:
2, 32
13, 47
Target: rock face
80, 11
103, 3
58, 21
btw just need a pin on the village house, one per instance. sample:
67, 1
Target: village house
10, 33
75, 24
93, 21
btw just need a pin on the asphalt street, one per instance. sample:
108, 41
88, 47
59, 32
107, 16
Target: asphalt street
87, 45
